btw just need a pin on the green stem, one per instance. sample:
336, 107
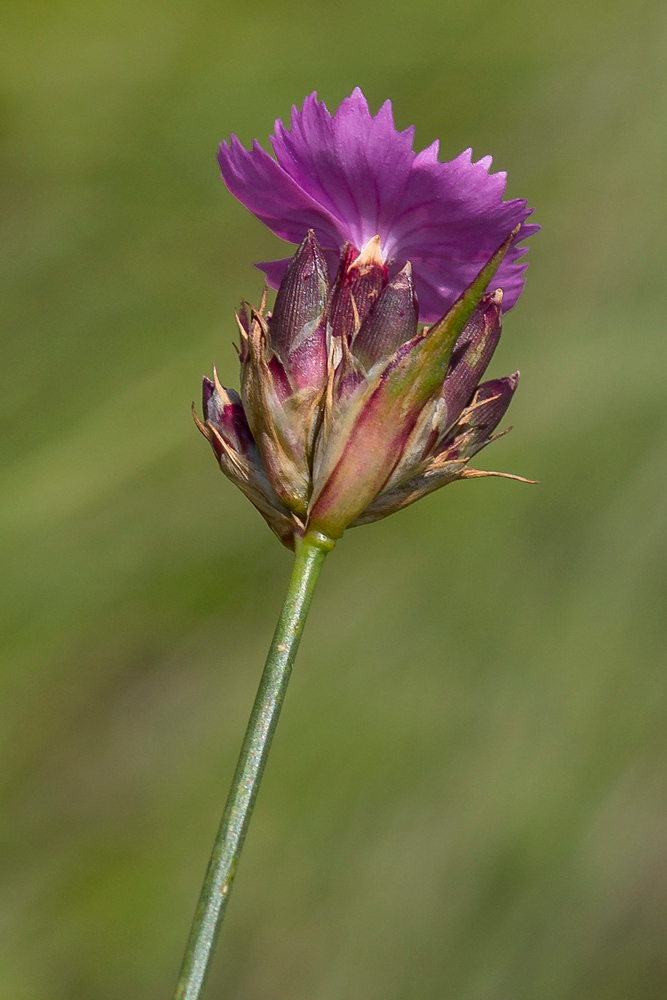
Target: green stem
310, 554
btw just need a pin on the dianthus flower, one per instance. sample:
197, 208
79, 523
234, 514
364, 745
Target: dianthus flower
348, 409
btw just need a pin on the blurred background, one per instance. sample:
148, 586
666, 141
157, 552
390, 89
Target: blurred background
467, 796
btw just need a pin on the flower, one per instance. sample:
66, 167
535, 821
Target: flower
352, 176
348, 412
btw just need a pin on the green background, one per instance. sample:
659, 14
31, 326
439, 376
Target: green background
467, 795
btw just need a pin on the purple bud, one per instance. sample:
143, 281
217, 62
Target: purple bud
478, 421
301, 299
227, 431
224, 410
392, 321
472, 354
360, 279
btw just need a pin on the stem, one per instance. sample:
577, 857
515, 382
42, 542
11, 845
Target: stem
310, 554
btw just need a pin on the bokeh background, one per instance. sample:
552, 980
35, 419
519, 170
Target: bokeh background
467, 795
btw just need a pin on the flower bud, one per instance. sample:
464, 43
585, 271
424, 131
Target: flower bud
297, 330
226, 428
284, 374
391, 321
360, 279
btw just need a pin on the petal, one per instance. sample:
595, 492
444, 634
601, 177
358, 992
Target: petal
450, 218
274, 270
440, 273
269, 192
355, 165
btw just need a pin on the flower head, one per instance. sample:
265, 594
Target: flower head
348, 412
352, 176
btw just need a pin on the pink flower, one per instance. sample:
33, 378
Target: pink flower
352, 176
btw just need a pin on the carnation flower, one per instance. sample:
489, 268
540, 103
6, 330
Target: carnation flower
352, 176
348, 410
